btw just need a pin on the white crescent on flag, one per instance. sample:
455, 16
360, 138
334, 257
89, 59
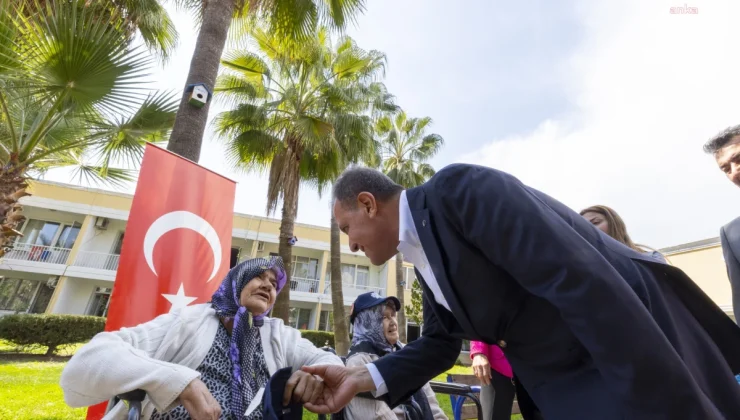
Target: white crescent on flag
181, 220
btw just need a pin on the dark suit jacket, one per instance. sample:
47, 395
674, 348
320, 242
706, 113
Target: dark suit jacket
593, 329
730, 237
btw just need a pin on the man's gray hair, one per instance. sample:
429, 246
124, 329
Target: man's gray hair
359, 179
722, 139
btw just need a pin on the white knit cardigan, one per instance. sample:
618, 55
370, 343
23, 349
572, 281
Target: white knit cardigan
160, 357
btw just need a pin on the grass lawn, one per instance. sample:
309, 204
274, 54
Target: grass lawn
30, 390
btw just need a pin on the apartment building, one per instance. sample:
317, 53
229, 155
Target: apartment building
67, 259
704, 262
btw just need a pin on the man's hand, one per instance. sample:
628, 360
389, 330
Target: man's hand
341, 384
303, 387
199, 402
482, 369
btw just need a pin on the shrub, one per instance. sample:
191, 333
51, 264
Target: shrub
49, 330
318, 338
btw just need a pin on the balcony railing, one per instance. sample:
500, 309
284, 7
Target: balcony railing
38, 253
97, 260
354, 290
300, 284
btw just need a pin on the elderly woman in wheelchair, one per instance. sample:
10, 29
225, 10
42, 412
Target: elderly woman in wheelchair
206, 361
375, 334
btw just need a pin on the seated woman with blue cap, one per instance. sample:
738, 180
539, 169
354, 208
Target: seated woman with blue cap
206, 361
375, 334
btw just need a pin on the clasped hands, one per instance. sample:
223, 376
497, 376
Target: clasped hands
322, 389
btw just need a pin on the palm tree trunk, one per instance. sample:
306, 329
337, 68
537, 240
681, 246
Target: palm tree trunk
400, 292
285, 249
190, 122
341, 331
12, 187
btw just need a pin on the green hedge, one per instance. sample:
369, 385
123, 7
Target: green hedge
49, 330
318, 338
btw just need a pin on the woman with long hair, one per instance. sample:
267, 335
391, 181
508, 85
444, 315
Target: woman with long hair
608, 221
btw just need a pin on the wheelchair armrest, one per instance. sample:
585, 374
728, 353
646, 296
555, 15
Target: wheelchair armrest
452, 388
132, 396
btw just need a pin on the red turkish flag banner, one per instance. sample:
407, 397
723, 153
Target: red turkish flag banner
177, 243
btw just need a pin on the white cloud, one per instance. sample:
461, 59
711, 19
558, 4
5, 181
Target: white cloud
648, 88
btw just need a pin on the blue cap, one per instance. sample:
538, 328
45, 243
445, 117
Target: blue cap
368, 300
272, 404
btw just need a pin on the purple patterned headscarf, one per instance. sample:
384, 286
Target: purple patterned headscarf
245, 337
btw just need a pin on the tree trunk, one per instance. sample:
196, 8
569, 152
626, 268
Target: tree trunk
190, 122
51, 350
400, 292
341, 330
285, 249
12, 187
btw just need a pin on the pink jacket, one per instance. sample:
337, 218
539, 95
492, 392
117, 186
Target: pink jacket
495, 357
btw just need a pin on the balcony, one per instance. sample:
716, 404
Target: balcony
300, 284
38, 253
351, 291
97, 260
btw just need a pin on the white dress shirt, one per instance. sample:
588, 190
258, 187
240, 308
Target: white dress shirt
409, 245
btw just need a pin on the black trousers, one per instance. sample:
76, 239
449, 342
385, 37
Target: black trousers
497, 398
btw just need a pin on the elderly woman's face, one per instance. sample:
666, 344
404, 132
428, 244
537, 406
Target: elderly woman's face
259, 294
390, 324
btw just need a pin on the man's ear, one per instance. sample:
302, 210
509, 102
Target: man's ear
367, 203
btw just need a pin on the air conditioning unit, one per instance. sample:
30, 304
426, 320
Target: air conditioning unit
260, 246
102, 223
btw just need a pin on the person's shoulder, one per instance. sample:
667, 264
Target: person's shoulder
732, 227
360, 359
465, 172
277, 329
195, 311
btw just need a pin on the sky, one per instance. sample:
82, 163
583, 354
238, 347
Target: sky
589, 101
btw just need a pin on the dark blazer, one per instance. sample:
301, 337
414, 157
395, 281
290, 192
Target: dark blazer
593, 329
730, 237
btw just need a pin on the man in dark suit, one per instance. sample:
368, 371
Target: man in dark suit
593, 329
725, 147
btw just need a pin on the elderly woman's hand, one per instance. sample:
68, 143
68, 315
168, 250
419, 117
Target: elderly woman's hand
482, 369
303, 387
199, 402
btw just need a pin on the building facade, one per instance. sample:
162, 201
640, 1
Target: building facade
67, 259
704, 263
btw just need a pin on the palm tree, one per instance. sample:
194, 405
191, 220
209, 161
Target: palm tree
285, 19
296, 113
67, 87
405, 150
147, 18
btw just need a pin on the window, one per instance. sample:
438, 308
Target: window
43, 233
118, 245
305, 268
98, 305
234, 259
21, 295
299, 318
358, 276
68, 237
326, 321
355, 274
39, 232
409, 277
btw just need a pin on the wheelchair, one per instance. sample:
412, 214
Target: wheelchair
413, 411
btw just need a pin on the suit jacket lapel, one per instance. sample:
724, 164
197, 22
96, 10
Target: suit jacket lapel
417, 203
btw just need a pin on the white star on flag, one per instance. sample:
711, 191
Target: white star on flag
179, 300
